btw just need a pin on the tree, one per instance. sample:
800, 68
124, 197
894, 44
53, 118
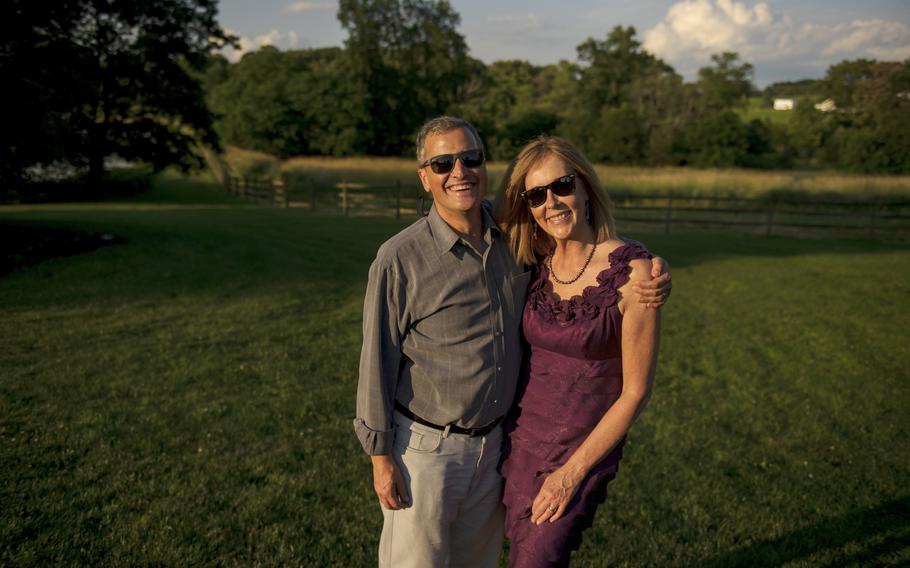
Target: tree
510, 105
666, 108
616, 86
810, 130
873, 115
842, 80
719, 139
407, 63
286, 103
768, 146
620, 138
39, 68
116, 77
612, 65
727, 84
520, 127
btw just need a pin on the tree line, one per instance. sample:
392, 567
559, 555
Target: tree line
142, 79
618, 102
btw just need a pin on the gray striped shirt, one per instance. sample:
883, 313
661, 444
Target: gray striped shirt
440, 331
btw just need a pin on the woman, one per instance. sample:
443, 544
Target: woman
593, 350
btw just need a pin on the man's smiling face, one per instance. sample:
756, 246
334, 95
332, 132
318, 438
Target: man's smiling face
461, 190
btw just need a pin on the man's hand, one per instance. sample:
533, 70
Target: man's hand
655, 292
388, 483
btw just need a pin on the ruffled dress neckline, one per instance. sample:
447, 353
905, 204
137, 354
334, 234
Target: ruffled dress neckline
587, 305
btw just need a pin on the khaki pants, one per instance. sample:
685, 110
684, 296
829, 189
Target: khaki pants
456, 514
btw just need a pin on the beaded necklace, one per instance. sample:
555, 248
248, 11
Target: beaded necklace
577, 276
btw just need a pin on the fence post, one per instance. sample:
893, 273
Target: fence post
770, 224
668, 214
279, 194
312, 185
872, 215
398, 199
344, 198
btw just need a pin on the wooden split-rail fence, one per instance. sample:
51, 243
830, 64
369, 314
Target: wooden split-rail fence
780, 216
666, 213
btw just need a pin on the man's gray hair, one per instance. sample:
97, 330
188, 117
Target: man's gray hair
441, 125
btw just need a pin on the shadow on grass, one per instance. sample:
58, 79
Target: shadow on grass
26, 245
195, 248
691, 249
877, 533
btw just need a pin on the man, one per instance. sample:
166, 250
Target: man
440, 362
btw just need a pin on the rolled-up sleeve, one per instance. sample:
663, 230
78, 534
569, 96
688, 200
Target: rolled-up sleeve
380, 357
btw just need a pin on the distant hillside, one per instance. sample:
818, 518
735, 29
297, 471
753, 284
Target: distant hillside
794, 89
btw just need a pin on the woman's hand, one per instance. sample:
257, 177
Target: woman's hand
555, 494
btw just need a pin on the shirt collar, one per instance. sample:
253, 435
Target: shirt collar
445, 236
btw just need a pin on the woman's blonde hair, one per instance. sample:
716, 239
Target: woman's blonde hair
514, 215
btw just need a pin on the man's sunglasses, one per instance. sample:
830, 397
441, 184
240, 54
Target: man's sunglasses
444, 163
537, 196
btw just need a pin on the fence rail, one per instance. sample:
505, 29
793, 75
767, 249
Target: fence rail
771, 216
778, 216
258, 190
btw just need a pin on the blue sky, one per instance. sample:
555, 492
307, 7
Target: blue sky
783, 40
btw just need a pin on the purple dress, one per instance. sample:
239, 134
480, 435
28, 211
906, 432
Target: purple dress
574, 374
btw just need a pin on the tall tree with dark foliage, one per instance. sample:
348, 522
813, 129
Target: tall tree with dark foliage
93, 78
407, 63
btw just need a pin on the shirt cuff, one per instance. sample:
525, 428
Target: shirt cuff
374, 442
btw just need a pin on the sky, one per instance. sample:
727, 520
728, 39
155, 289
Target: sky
784, 40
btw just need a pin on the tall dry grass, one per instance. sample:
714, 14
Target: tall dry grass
387, 172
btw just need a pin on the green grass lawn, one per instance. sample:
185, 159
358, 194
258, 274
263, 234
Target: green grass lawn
185, 397
757, 109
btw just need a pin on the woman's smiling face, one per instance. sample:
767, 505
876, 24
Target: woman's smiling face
559, 217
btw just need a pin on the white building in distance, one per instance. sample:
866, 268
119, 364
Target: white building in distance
784, 104
826, 105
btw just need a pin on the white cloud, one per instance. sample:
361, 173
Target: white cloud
692, 30
310, 6
879, 38
508, 23
282, 40
698, 28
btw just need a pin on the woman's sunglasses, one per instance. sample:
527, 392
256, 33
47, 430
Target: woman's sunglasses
444, 163
537, 196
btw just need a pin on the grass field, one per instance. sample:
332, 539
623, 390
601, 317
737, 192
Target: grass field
757, 109
185, 397
385, 172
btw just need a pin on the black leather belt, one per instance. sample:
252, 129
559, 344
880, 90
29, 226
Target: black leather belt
481, 431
